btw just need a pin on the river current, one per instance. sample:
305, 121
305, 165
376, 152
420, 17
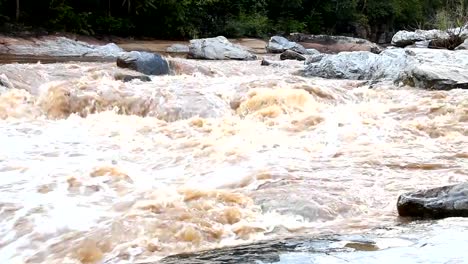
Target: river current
96, 170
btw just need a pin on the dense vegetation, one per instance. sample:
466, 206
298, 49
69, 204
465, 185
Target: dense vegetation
232, 18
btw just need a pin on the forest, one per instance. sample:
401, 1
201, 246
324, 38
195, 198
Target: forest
183, 19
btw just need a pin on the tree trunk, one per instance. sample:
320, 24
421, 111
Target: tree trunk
17, 10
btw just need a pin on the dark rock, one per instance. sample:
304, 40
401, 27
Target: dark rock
144, 62
335, 44
292, 55
436, 203
265, 63
128, 78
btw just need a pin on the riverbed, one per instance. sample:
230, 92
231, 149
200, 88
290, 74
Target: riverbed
95, 170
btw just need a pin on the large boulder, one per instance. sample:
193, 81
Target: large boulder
144, 62
361, 65
423, 68
218, 48
437, 69
334, 44
278, 44
441, 202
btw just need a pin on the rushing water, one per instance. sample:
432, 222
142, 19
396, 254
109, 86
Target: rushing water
94, 170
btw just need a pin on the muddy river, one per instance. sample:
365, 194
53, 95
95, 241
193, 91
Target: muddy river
96, 170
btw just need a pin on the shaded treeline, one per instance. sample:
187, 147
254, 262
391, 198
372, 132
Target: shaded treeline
232, 18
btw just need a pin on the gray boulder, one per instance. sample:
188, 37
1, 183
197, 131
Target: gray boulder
178, 48
437, 69
218, 48
334, 44
405, 38
360, 65
278, 44
423, 68
441, 202
144, 62
291, 55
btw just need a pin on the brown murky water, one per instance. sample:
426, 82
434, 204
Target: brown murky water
94, 170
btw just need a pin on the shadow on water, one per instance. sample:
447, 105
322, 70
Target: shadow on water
8, 58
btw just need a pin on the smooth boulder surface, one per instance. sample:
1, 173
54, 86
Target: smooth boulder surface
334, 44
292, 55
218, 48
144, 62
360, 65
441, 202
278, 44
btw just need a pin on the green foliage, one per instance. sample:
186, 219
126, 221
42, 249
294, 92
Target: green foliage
233, 18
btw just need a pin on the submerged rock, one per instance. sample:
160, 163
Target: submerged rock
218, 48
278, 44
292, 55
335, 44
441, 202
144, 62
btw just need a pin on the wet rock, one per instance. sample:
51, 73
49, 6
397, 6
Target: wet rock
335, 44
178, 48
405, 38
265, 63
218, 48
57, 46
441, 202
128, 77
144, 62
278, 44
292, 55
